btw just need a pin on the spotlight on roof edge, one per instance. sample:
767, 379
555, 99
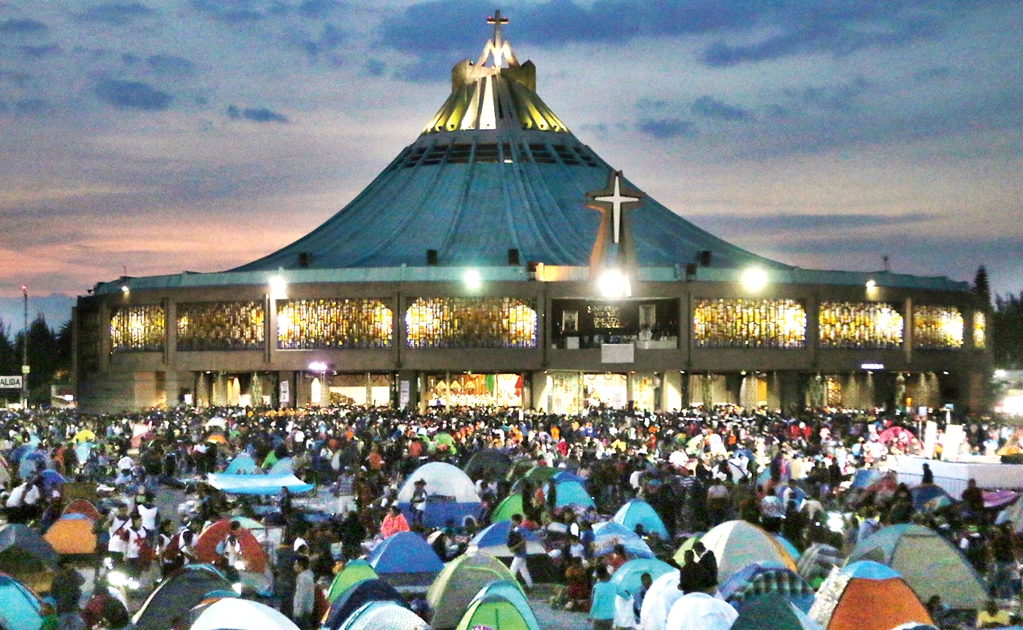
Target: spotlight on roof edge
872, 366
317, 366
472, 279
754, 279
613, 283
278, 287
871, 285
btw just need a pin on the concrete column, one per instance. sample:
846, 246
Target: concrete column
671, 391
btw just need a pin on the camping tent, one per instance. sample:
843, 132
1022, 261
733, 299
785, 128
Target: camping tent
27, 557
262, 485
569, 492
463, 577
71, 535
609, 534
493, 540
513, 594
252, 553
659, 599
789, 547
450, 492
20, 609
929, 497
699, 611
82, 506
243, 464
756, 580
497, 613
511, 504
489, 463
383, 616
927, 562
736, 544
818, 560
405, 559
178, 594
866, 596
354, 572
628, 576
638, 512
772, 612
241, 614
357, 596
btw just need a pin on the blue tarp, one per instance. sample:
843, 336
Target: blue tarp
262, 485
638, 512
404, 552
243, 464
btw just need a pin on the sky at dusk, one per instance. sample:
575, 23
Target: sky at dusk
156, 137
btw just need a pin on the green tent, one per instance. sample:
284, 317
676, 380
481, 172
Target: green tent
494, 612
354, 572
455, 586
512, 504
773, 612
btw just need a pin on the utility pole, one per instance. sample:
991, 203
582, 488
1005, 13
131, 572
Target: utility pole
24, 353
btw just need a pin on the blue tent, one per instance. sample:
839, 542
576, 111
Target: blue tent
282, 467
51, 479
571, 493
358, 595
493, 540
20, 609
789, 547
243, 464
628, 576
82, 451
404, 552
565, 475
607, 535
638, 512
865, 477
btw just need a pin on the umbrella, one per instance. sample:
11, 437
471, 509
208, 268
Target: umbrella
50, 478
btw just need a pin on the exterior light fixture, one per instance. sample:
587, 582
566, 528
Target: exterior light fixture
317, 366
871, 285
125, 288
278, 288
472, 279
871, 366
613, 283
754, 279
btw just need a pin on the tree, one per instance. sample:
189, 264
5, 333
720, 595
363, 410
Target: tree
1007, 332
982, 288
43, 358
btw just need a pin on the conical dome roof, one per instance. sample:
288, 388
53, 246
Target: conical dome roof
494, 170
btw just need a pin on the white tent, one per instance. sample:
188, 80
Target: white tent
661, 596
241, 614
699, 611
443, 480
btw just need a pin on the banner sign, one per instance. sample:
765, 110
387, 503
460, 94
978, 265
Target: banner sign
10, 382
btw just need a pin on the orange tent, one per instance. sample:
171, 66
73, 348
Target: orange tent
866, 595
72, 535
252, 553
82, 506
217, 438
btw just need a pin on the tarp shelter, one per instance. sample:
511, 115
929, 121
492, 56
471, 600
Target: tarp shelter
511, 504
260, 485
451, 494
241, 614
609, 534
569, 493
252, 553
699, 611
513, 594
71, 535
354, 572
818, 560
659, 599
357, 596
628, 576
866, 596
384, 616
243, 464
20, 609
490, 464
497, 613
757, 580
638, 512
405, 559
737, 543
82, 506
772, 612
927, 562
179, 594
455, 586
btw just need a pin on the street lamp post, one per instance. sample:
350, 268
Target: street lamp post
24, 352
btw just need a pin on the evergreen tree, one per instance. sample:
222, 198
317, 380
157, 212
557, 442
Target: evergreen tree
1007, 332
982, 288
43, 359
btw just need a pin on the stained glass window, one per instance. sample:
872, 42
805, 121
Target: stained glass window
324, 324
860, 325
738, 323
470, 323
979, 329
220, 326
137, 329
938, 327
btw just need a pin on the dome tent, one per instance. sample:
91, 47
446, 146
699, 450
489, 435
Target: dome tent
20, 610
405, 559
866, 595
628, 576
700, 611
659, 599
736, 544
355, 571
569, 492
511, 592
71, 535
384, 616
451, 494
241, 614
773, 612
252, 553
511, 504
639, 512
757, 580
490, 464
357, 596
493, 540
181, 592
462, 578
927, 562
497, 613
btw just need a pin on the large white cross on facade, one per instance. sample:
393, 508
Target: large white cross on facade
616, 200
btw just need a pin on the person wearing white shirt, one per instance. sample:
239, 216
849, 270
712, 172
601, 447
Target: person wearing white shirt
119, 524
125, 464
149, 513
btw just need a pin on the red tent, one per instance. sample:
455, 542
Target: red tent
82, 506
252, 553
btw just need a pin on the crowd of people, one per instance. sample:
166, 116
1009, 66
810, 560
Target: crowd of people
695, 468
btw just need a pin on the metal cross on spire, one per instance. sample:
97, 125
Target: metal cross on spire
497, 21
497, 46
617, 199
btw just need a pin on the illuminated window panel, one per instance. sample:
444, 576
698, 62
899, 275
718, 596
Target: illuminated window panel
979, 330
137, 329
470, 323
939, 327
204, 326
326, 324
737, 323
871, 325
